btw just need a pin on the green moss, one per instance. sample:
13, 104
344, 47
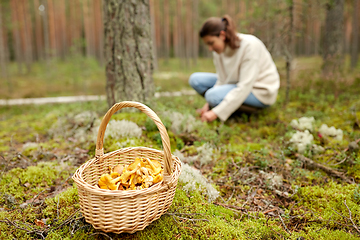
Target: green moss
25, 183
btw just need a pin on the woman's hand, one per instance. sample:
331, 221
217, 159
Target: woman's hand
208, 116
204, 109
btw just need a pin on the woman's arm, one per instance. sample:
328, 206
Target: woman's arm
249, 72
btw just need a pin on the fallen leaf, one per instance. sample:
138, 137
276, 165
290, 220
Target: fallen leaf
39, 223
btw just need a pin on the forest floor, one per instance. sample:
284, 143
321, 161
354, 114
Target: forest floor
254, 182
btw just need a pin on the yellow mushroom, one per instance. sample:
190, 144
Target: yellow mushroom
118, 168
128, 175
155, 166
107, 182
148, 182
134, 165
158, 178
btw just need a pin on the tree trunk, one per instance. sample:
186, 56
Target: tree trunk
153, 33
27, 34
128, 51
52, 33
45, 15
180, 32
355, 35
87, 27
75, 15
16, 35
188, 31
3, 64
99, 31
333, 56
38, 31
166, 30
63, 30
195, 31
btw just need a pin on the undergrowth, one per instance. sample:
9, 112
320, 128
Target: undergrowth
265, 190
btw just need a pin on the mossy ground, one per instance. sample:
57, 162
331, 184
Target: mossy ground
36, 187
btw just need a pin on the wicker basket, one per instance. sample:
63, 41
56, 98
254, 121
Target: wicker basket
126, 211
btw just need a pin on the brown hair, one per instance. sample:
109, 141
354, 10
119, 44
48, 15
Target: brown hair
214, 25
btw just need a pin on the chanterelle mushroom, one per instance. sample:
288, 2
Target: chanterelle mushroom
158, 178
155, 166
118, 168
107, 182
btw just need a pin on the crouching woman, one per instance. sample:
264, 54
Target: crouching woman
246, 75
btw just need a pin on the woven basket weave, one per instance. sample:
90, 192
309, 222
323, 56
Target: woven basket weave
126, 211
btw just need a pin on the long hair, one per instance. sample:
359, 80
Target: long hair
214, 25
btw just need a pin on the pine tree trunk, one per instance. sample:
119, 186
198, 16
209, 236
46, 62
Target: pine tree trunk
333, 56
166, 30
27, 34
188, 31
52, 33
195, 31
45, 15
3, 64
87, 27
62, 28
355, 35
128, 51
38, 31
153, 33
16, 35
99, 31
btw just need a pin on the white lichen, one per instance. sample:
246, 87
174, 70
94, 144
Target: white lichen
272, 180
204, 155
301, 140
331, 132
304, 123
117, 129
195, 181
181, 123
317, 149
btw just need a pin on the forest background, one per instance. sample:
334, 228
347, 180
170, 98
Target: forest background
254, 184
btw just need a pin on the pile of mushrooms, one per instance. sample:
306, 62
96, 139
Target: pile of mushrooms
140, 174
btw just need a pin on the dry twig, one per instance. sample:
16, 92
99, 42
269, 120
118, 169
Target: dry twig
311, 164
348, 218
282, 221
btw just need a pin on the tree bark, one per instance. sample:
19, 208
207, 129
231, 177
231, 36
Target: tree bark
3, 63
166, 30
333, 56
128, 51
355, 35
87, 27
289, 51
63, 30
16, 35
195, 30
27, 34
188, 33
153, 33
38, 31
99, 31
52, 33
46, 30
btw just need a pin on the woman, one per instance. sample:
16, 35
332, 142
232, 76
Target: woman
246, 74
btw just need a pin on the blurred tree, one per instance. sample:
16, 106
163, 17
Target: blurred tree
38, 31
44, 12
16, 35
355, 35
128, 51
333, 56
3, 64
166, 29
153, 34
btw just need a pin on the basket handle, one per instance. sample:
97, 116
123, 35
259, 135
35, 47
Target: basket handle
99, 152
